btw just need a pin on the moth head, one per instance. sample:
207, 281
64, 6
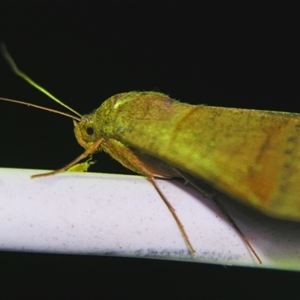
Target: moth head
85, 132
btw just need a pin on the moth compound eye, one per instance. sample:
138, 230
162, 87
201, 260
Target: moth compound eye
90, 131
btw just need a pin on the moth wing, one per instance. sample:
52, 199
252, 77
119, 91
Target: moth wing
249, 155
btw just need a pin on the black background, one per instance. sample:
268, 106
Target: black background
231, 54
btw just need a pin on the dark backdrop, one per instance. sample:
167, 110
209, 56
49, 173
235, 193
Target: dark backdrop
236, 55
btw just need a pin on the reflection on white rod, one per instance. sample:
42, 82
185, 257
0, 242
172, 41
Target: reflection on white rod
100, 214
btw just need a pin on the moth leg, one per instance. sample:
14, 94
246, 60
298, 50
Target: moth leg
245, 239
172, 210
149, 167
94, 147
210, 194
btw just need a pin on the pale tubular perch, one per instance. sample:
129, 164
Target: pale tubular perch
102, 214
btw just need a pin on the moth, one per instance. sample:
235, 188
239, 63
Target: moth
250, 155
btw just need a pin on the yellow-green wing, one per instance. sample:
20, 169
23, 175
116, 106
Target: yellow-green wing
250, 155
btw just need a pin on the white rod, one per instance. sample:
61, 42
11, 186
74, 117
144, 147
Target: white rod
92, 213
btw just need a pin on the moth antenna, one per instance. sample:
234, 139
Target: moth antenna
172, 210
18, 72
41, 107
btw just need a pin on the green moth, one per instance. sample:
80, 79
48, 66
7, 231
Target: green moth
250, 155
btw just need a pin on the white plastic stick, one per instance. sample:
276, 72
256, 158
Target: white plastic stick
92, 213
